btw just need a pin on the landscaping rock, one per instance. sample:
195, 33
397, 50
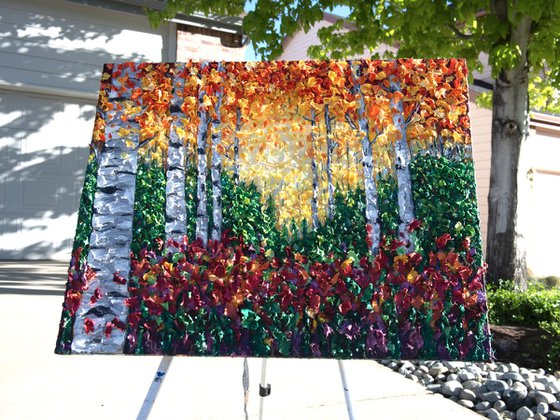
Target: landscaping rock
482, 406
438, 369
515, 397
542, 408
496, 390
553, 415
467, 394
493, 414
500, 405
496, 385
472, 385
545, 397
466, 403
514, 376
451, 388
523, 413
491, 396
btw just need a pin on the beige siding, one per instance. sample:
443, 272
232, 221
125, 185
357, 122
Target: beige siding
295, 48
543, 201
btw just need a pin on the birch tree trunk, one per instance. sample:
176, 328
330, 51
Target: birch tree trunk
372, 209
202, 166
236, 146
402, 166
505, 243
330, 149
175, 207
216, 172
315, 193
111, 237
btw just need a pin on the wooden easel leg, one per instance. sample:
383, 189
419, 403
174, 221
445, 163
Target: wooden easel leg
346, 390
154, 388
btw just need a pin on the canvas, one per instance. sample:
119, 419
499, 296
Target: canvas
280, 209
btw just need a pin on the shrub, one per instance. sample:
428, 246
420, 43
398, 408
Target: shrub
537, 307
551, 282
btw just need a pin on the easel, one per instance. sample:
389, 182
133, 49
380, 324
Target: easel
264, 388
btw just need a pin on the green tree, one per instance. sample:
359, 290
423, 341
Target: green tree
519, 38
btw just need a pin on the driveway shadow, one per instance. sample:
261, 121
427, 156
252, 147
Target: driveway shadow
33, 277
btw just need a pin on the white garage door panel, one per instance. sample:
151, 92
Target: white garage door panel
62, 45
43, 154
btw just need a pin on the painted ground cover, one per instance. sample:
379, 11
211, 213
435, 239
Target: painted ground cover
283, 209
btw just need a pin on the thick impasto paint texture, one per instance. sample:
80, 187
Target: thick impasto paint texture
283, 209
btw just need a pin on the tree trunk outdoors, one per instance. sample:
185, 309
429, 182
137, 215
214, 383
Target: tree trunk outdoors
402, 166
217, 167
315, 194
201, 144
505, 242
175, 206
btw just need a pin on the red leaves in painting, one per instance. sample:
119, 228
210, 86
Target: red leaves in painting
238, 285
414, 225
79, 279
117, 278
369, 231
96, 296
345, 307
88, 326
443, 240
115, 323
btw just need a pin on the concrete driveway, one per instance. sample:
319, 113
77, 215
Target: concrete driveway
37, 384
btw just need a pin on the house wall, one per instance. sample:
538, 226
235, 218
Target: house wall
543, 200
51, 58
195, 46
481, 133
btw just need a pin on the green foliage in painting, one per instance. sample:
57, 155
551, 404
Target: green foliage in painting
190, 201
85, 211
338, 236
445, 200
387, 190
149, 206
246, 214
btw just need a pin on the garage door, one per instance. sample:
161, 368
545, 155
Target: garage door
43, 153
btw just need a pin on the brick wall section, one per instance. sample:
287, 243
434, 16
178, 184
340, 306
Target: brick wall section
204, 47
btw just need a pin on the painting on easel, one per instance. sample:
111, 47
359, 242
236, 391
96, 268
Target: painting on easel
284, 209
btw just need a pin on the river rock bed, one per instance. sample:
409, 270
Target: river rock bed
494, 390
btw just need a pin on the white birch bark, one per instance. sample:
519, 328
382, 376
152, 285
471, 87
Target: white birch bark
330, 149
175, 206
372, 210
402, 167
111, 236
315, 193
216, 171
201, 144
236, 146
